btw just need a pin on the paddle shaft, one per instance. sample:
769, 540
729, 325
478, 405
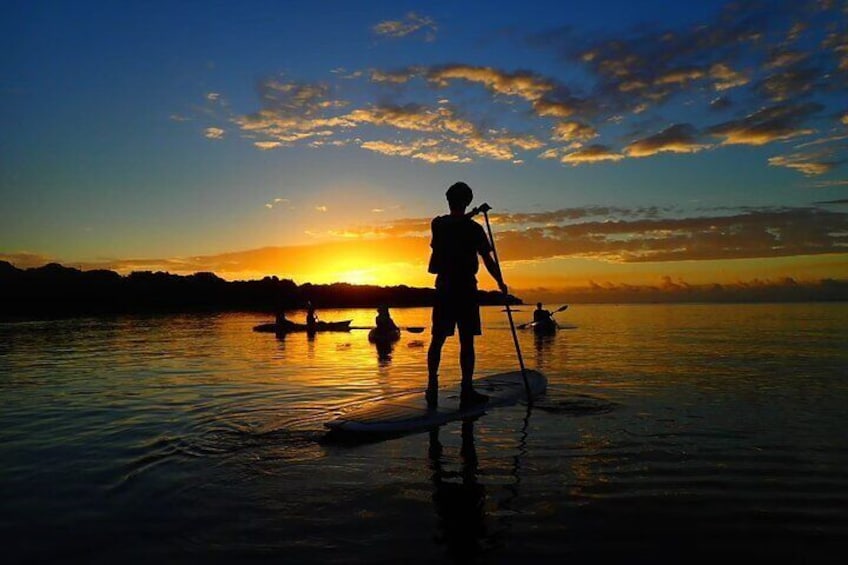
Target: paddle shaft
508, 310
410, 329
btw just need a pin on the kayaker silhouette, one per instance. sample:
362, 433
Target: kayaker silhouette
540, 315
282, 323
384, 321
311, 317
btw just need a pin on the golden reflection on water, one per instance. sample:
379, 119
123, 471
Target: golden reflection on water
699, 397
218, 364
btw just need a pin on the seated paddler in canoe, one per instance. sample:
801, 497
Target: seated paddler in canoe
543, 320
283, 325
385, 330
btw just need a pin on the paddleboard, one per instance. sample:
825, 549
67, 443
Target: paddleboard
408, 413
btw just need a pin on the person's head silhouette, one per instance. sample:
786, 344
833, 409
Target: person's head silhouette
459, 196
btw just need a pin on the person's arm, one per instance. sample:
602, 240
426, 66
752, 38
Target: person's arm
494, 270
433, 266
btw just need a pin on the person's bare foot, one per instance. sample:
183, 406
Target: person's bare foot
432, 397
471, 397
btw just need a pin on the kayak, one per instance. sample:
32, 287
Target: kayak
546, 327
377, 335
343, 326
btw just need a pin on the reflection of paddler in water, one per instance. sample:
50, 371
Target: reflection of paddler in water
542, 341
384, 351
459, 503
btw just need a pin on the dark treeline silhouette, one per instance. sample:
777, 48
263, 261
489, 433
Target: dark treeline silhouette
57, 291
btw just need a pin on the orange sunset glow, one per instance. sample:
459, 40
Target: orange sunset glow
685, 151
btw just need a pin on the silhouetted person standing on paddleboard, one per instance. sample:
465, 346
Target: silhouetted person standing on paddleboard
456, 242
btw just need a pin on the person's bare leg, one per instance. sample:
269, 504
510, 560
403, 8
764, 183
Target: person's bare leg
434, 358
466, 362
467, 359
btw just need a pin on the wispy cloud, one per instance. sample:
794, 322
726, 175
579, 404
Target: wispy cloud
573, 131
607, 234
669, 289
591, 154
522, 84
411, 24
830, 183
770, 124
213, 133
276, 202
750, 234
679, 138
810, 164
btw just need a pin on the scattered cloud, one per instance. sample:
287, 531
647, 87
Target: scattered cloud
753, 75
321, 208
573, 131
267, 145
276, 202
810, 164
411, 24
522, 84
770, 124
213, 133
725, 78
591, 154
679, 138
422, 149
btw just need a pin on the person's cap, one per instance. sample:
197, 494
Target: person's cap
460, 193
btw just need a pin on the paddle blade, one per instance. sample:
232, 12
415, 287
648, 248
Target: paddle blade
415, 329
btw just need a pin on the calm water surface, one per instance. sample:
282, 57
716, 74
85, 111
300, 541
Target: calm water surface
669, 434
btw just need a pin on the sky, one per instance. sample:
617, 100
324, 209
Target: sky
619, 143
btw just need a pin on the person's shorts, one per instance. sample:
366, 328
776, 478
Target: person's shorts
456, 309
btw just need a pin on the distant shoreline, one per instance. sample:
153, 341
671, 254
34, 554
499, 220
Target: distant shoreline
54, 291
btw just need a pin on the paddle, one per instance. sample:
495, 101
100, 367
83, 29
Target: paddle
485, 209
410, 329
528, 324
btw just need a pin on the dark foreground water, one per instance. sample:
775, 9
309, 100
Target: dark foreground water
686, 433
